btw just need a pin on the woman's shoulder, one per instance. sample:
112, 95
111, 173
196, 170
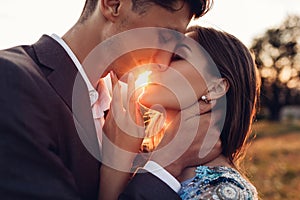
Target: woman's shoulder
217, 183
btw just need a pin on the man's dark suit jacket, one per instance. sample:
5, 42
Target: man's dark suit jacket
41, 154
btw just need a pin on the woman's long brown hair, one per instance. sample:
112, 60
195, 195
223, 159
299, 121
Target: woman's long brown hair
236, 64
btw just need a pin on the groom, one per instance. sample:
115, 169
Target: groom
41, 153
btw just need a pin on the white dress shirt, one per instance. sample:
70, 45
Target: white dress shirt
100, 101
102, 95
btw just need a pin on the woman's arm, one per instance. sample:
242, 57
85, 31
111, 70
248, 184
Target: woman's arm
122, 139
112, 182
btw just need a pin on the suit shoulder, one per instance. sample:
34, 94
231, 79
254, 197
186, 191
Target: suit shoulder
16, 60
13, 56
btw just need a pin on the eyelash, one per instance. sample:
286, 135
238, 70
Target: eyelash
176, 57
181, 53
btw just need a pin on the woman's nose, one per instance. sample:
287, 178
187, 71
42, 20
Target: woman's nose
160, 67
162, 60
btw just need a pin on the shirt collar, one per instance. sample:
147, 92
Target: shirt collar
92, 91
103, 101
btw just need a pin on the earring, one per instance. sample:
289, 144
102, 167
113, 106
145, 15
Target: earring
205, 99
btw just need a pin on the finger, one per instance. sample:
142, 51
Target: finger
131, 107
116, 102
139, 116
170, 132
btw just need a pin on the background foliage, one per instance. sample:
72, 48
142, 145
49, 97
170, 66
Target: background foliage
277, 55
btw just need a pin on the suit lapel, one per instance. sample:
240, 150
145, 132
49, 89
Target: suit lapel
70, 86
50, 54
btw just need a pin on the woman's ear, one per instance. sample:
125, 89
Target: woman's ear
218, 88
110, 9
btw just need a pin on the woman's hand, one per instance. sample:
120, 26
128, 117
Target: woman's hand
122, 139
190, 140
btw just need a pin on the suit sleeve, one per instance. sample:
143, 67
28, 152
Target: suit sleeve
145, 185
29, 165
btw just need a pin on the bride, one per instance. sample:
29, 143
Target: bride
231, 91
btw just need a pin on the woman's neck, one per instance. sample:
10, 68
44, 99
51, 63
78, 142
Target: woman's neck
171, 114
189, 172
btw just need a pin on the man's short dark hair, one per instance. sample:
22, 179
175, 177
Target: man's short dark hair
197, 7
88, 9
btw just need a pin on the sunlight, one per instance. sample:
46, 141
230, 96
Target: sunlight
285, 74
143, 79
268, 72
154, 120
294, 83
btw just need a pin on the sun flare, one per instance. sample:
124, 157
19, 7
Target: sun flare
143, 79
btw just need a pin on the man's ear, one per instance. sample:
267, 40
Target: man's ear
218, 88
110, 9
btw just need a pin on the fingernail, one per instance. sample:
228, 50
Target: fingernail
130, 76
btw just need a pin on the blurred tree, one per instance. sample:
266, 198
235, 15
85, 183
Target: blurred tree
277, 55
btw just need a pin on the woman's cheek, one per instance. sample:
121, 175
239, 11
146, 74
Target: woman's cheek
157, 94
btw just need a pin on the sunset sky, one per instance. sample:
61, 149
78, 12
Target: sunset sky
24, 21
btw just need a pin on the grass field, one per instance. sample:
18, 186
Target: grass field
273, 160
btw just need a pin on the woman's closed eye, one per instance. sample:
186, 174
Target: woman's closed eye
181, 52
176, 57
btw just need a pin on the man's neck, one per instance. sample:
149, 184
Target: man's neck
80, 40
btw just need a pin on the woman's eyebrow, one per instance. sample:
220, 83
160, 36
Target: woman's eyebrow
183, 45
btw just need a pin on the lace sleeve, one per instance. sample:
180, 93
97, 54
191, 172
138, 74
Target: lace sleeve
219, 183
222, 191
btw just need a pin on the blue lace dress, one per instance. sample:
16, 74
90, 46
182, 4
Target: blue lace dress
217, 183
